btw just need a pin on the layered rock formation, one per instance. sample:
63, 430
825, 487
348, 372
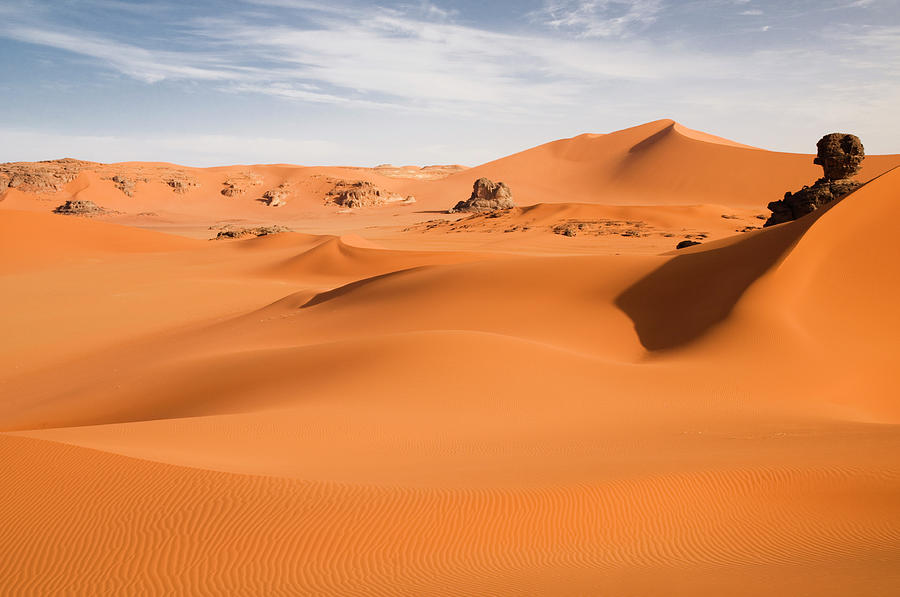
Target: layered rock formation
486, 196
840, 155
40, 177
356, 194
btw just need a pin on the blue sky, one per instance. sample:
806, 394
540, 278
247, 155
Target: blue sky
421, 82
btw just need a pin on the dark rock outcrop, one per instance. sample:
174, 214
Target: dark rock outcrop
486, 196
244, 232
686, 243
124, 184
840, 156
181, 182
78, 207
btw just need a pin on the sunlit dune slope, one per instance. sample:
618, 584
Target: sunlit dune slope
659, 162
30, 240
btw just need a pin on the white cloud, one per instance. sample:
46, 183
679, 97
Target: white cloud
378, 58
150, 66
420, 60
599, 18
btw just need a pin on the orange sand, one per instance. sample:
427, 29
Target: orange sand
398, 402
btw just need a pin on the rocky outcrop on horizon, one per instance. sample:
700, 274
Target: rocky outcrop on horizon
841, 156
486, 196
40, 177
435, 172
361, 193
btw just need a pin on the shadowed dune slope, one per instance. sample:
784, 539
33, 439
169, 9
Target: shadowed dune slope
699, 287
824, 267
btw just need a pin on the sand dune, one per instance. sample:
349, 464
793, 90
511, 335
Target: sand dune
389, 402
656, 163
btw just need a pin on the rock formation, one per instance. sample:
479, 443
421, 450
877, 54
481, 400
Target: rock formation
686, 243
180, 182
486, 196
415, 172
239, 184
77, 207
124, 184
356, 194
840, 155
40, 177
276, 197
243, 232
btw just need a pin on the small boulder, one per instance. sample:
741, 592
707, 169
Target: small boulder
486, 196
686, 243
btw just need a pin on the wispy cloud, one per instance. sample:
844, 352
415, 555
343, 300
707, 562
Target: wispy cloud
145, 65
414, 57
599, 18
586, 60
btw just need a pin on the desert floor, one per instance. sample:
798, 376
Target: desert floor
393, 400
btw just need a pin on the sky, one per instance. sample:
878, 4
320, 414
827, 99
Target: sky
434, 82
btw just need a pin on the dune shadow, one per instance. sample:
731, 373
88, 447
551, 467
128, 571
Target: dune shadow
328, 295
689, 294
651, 140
